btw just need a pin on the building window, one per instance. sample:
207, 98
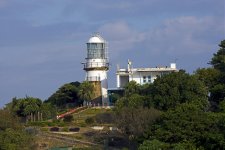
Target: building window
149, 79
144, 79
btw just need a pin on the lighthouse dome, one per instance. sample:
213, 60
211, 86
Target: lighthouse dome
96, 39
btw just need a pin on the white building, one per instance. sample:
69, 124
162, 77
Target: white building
141, 75
97, 66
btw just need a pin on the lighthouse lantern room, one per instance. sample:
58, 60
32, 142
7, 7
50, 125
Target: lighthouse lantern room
96, 67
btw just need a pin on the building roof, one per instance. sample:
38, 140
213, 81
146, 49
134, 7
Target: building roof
158, 69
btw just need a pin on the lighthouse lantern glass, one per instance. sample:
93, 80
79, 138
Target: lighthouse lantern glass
96, 51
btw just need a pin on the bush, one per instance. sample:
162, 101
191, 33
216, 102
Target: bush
65, 129
50, 124
68, 118
74, 129
89, 120
104, 118
44, 129
55, 129
38, 123
82, 124
31, 130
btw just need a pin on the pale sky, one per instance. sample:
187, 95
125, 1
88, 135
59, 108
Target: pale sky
43, 42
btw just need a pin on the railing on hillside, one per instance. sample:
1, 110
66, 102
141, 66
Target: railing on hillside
76, 110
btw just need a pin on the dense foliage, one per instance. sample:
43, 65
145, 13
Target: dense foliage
177, 111
176, 88
66, 94
85, 92
12, 133
32, 109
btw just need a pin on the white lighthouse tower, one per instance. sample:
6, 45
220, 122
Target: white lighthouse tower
96, 67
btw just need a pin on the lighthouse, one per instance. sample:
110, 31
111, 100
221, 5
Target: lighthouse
96, 66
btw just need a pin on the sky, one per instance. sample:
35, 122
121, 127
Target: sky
43, 42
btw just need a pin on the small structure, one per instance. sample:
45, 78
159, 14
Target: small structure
141, 75
96, 67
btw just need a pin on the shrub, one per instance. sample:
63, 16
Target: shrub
31, 130
50, 124
74, 129
44, 129
89, 120
55, 129
65, 129
38, 123
82, 124
104, 118
68, 118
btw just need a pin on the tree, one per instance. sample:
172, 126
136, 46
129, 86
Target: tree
68, 93
218, 59
133, 101
153, 145
48, 111
209, 76
68, 118
8, 120
131, 88
218, 62
12, 133
31, 107
176, 88
86, 91
134, 121
189, 124
25, 107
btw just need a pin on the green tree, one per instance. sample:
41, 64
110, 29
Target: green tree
68, 118
86, 91
153, 145
218, 63
133, 101
176, 88
8, 120
209, 76
12, 133
189, 124
25, 107
134, 121
131, 88
68, 93
48, 111
218, 60
31, 107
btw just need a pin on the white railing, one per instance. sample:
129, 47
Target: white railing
95, 64
94, 78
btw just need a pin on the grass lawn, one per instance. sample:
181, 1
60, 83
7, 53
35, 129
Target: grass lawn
88, 134
79, 118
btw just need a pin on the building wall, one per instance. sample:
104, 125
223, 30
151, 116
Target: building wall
139, 77
144, 77
123, 80
99, 76
97, 95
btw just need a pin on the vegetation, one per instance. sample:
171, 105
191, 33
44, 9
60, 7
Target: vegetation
68, 118
86, 91
178, 111
12, 133
32, 109
66, 94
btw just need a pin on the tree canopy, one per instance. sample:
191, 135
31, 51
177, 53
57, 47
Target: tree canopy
68, 93
218, 59
86, 91
176, 88
12, 133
